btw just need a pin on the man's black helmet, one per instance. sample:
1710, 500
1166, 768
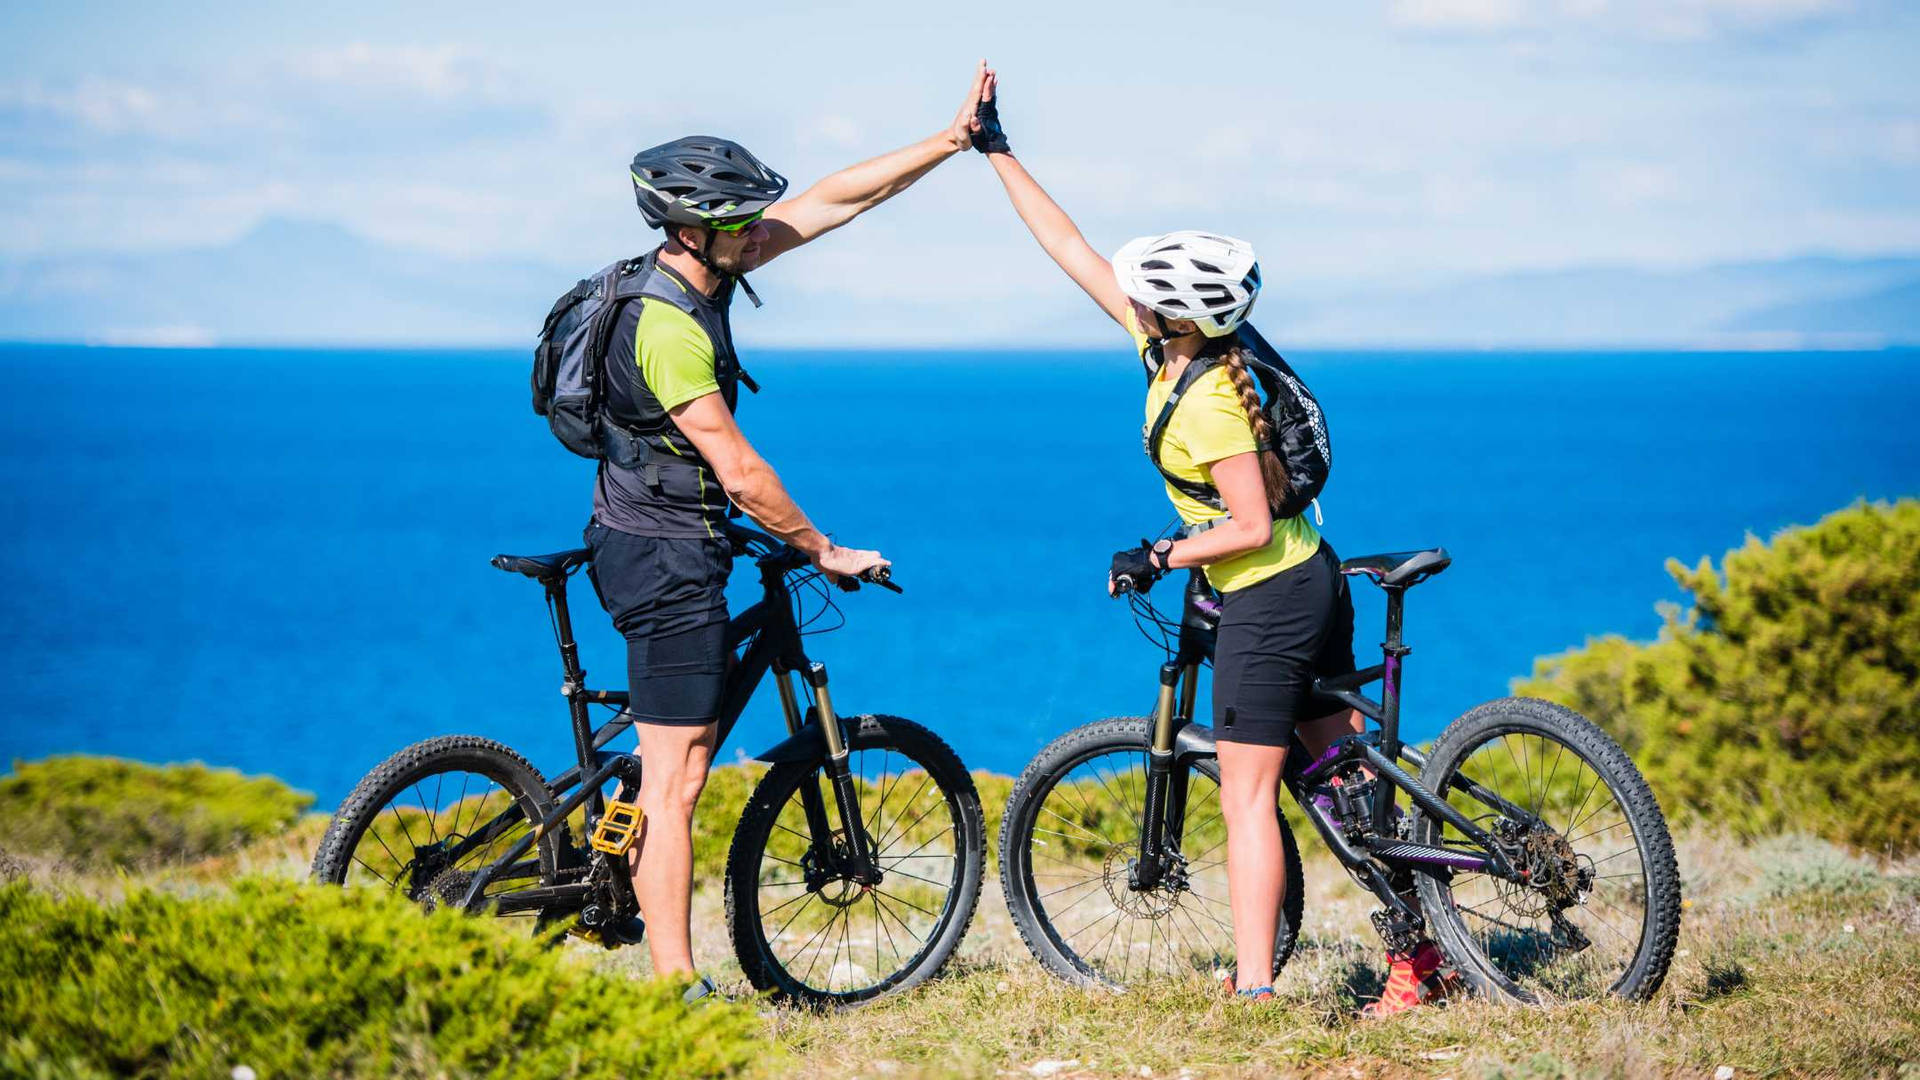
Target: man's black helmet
699, 180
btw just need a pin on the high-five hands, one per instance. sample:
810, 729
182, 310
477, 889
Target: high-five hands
988, 137
964, 122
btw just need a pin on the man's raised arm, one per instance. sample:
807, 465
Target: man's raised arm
853, 191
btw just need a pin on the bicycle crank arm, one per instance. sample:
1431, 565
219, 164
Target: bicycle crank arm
553, 896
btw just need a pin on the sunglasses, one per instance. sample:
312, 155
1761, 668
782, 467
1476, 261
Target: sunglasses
736, 226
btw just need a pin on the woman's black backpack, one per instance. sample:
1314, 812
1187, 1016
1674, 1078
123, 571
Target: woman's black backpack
1299, 427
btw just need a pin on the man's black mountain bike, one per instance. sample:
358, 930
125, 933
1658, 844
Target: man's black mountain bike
854, 869
1531, 848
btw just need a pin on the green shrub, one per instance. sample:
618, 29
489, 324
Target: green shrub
721, 804
103, 811
307, 981
1789, 695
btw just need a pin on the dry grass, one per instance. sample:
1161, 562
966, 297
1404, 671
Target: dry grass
1796, 960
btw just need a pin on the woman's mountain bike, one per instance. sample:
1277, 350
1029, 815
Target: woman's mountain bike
852, 874
1531, 849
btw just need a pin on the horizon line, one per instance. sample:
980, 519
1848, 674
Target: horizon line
1770, 342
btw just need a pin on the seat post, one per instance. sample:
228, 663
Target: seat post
575, 684
563, 632
1393, 650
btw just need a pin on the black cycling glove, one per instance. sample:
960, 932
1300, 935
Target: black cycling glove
990, 139
1134, 569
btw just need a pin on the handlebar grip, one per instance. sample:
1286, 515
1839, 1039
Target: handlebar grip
881, 576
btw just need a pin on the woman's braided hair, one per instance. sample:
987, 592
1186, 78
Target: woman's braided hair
1272, 470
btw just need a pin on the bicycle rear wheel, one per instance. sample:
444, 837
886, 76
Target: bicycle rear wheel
811, 934
1071, 831
426, 819
1600, 912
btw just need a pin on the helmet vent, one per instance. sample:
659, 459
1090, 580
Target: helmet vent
1156, 264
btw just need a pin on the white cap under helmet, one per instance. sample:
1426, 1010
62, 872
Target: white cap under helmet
1208, 278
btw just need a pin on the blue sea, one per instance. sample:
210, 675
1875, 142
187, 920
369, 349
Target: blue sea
277, 559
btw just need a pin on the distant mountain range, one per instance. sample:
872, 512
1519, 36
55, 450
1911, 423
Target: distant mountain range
292, 282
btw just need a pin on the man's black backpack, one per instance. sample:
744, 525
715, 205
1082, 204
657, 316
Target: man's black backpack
1299, 427
569, 364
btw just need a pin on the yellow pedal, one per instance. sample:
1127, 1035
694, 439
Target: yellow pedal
617, 828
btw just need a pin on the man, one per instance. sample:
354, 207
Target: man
660, 555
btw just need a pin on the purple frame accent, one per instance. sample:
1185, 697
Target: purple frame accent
1458, 862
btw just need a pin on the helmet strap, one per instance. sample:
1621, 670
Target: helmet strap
706, 260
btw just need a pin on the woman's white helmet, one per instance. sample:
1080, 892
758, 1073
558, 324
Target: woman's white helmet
1208, 278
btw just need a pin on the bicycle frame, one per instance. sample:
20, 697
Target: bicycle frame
1370, 850
814, 733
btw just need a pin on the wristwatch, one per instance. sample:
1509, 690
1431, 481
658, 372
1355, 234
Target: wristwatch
1161, 555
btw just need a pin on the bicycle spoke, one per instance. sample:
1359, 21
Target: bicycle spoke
376, 873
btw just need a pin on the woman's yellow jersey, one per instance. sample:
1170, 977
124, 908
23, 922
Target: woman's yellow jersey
1207, 426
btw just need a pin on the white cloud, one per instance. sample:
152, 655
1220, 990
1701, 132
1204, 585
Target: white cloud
1459, 14
437, 71
1668, 20
176, 336
832, 129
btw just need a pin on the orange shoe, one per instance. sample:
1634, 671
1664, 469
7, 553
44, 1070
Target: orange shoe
1421, 977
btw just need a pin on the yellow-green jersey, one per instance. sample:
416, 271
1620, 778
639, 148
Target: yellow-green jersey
1209, 425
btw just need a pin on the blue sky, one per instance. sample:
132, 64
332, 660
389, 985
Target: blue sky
1355, 144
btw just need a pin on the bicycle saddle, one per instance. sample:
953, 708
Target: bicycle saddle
1399, 569
545, 568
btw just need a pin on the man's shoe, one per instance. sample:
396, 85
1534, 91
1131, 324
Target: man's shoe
1416, 978
701, 992
631, 930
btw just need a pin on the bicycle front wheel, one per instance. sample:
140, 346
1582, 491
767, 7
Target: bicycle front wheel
428, 818
1599, 910
1068, 846
806, 931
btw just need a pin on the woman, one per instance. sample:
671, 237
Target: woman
1286, 614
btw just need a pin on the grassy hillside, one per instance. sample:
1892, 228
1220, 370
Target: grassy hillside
1797, 958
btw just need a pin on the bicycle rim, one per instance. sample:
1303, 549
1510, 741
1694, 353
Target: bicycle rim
825, 937
1579, 929
1084, 838
423, 828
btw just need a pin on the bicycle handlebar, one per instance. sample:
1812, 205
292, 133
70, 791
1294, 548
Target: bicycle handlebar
784, 557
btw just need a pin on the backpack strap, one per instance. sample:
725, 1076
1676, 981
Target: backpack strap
1205, 494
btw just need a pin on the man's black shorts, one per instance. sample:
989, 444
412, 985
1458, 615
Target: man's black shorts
668, 598
1276, 637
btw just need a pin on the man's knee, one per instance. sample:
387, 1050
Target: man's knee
671, 794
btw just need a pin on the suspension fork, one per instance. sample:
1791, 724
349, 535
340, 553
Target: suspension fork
859, 863
1163, 817
812, 806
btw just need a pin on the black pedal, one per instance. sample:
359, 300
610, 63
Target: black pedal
1401, 935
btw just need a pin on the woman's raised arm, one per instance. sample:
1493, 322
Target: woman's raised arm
1050, 225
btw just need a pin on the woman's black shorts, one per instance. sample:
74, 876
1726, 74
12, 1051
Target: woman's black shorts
668, 597
1276, 637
